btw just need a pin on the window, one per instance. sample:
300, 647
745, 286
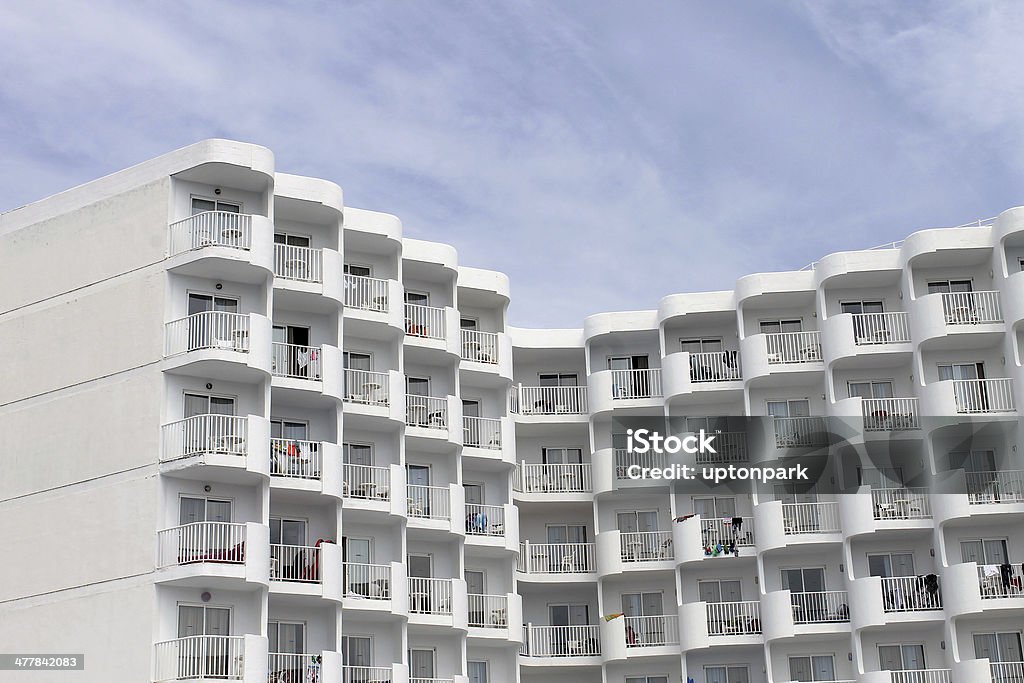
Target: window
949, 371
569, 615
781, 325
291, 240
870, 306
357, 650
719, 507
804, 580
287, 637
634, 521
203, 620
627, 363
201, 205
193, 509
421, 664
567, 533
870, 389
999, 648
720, 590
358, 271
417, 386
469, 323
562, 456
901, 657
291, 334
477, 672
356, 360
708, 424
646, 679
701, 345
948, 286
796, 407
357, 454
289, 429
984, 551
475, 583
417, 298
558, 379
357, 550
891, 564
419, 566
881, 477
727, 674
201, 303
205, 404
285, 531
642, 631
788, 494
812, 668
474, 493
973, 461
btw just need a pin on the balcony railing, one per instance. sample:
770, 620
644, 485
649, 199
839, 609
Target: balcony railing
366, 387
294, 563
481, 432
224, 434
552, 478
304, 264
628, 384
825, 607
1007, 672
625, 459
295, 458
429, 502
430, 412
972, 308
890, 414
480, 347
416, 679
293, 360
652, 631
366, 482
210, 229
922, 676
717, 366
983, 395
424, 321
207, 330
548, 400
793, 347
485, 520
366, 293
366, 674
911, 593
1001, 581
995, 487
800, 432
286, 667
220, 542
200, 657
488, 611
555, 558
645, 546
370, 581
734, 618
560, 641
731, 447
870, 329
901, 503
810, 518
430, 596
725, 531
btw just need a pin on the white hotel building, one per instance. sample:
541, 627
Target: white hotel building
253, 434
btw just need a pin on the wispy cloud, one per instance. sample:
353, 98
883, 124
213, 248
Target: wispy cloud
603, 156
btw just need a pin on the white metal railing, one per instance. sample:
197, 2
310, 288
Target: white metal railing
295, 458
1001, 581
548, 400
901, 503
555, 558
800, 432
561, 641
636, 383
983, 395
625, 459
200, 657
734, 618
716, 366
371, 581
488, 611
730, 447
416, 679
1007, 672
285, 667
645, 546
366, 674
366, 293
911, 593
1005, 486
210, 229
651, 631
822, 607
293, 360
367, 387
426, 411
366, 482
207, 330
724, 531
553, 478
871, 329
294, 563
430, 596
429, 502
293, 262
972, 308
201, 542
810, 518
921, 676
481, 432
485, 520
793, 347
890, 414
226, 434
480, 347
424, 321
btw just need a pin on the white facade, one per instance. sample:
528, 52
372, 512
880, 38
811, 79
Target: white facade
252, 433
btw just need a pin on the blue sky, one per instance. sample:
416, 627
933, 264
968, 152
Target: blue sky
603, 154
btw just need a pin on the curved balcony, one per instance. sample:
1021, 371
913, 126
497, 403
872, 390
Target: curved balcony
612, 467
638, 637
560, 646
1013, 299
430, 327
884, 510
785, 357
720, 623
625, 389
308, 279
866, 340
494, 526
556, 562
990, 589
441, 508
496, 617
553, 482
699, 377
222, 245
367, 394
214, 554
223, 448
548, 404
780, 525
302, 369
488, 437
695, 539
488, 354
234, 347
301, 465
438, 602
374, 489
232, 658
955, 320
433, 419
982, 398
314, 571
381, 588
373, 307
788, 614
881, 601
619, 551
910, 676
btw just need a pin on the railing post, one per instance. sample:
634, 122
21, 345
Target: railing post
526, 555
